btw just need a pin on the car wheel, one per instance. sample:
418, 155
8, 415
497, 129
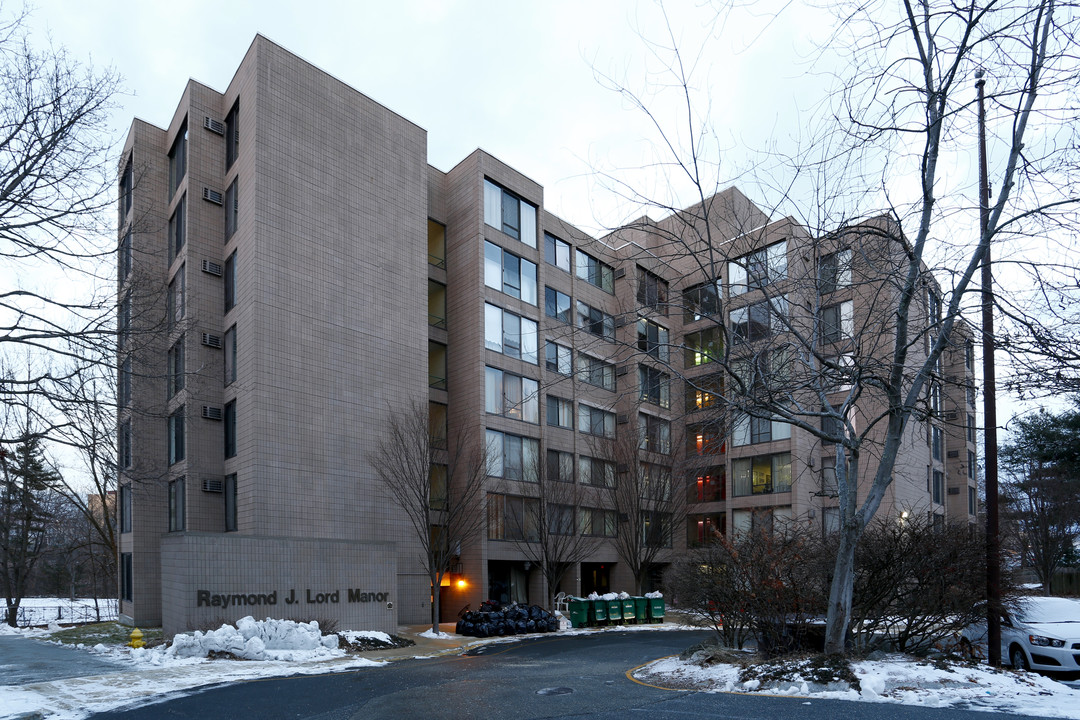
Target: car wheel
1018, 658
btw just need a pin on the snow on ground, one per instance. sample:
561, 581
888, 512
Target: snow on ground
893, 679
43, 610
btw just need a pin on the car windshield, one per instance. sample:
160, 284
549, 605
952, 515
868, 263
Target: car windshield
1049, 610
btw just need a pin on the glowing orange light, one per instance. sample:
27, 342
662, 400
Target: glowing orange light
461, 584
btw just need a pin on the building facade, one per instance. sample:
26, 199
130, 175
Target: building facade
291, 268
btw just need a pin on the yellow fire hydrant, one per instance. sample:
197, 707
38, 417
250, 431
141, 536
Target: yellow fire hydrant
136, 638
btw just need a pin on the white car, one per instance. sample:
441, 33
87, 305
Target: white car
1037, 633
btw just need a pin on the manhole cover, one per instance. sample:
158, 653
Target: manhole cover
555, 691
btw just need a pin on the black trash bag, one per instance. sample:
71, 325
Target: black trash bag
510, 628
530, 626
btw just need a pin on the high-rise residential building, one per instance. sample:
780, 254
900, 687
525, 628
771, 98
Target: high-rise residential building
292, 271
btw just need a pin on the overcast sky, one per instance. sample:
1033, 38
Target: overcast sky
517, 79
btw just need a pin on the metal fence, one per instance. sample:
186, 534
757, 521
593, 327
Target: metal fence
65, 612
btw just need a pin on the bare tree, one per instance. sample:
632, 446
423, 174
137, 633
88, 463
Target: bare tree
437, 479
866, 381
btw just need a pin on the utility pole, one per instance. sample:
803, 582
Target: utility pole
993, 542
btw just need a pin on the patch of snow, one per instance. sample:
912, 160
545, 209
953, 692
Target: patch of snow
656, 594
353, 635
435, 635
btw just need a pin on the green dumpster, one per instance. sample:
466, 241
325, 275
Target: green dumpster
614, 610
579, 612
656, 609
599, 608
629, 611
641, 609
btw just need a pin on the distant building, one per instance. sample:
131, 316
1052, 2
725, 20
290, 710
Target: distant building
291, 269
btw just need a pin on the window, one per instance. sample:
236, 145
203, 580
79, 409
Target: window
652, 339
939, 487
762, 475
971, 395
837, 373
758, 269
176, 367
123, 321
123, 445
557, 305
594, 271
702, 347
596, 321
834, 271
178, 228
652, 290
704, 529
560, 519
760, 320
557, 358
655, 529
509, 274
230, 503
230, 355
828, 477
705, 438
511, 395
232, 208
595, 472
837, 323
936, 443
556, 252
597, 522
176, 436
437, 374
933, 309
438, 497
176, 505
125, 256
176, 304
560, 466
507, 212
127, 584
230, 429
654, 434
831, 426
594, 421
970, 428
230, 282
655, 481
512, 518
125, 508
971, 501
704, 392
934, 394
830, 520
127, 185
560, 412
178, 159
970, 465
654, 386
707, 485
512, 457
438, 428
232, 134
748, 430
124, 391
510, 334
969, 355
596, 372
701, 301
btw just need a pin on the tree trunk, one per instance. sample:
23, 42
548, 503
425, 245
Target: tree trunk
436, 611
839, 613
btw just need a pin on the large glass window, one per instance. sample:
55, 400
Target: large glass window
232, 134
178, 228
704, 438
837, 322
758, 269
509, 213
176, 367
596, 372
707, 485
230, 503
512, 457
652, 339
652, 290
176, 300
596, 472
937, 441
123, 321
230, 281
510, 334
232, 209
655, 529
762, 475
557, 358
230, 429
125, 508
176, 436
178, 159
230, 355
176, 505
511, 395
654, 434
704, 346
748, 430
598, 522
124, 392
512, 518
127, 583
127, 185
123, 444
701, 301
834, 271
594, 271
594, 421
509, 273
595, 321
560, 466
557, 305
654, 386
704, 392
556, 252
560, 412
125, 256
760, 320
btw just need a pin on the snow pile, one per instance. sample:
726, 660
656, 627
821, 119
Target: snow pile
257, 640
354, 635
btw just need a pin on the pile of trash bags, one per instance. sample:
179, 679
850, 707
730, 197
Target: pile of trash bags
494, 620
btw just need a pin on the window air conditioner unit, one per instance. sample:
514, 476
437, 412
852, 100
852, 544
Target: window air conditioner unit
211, 413
213, 484
622, 418
953, 454
212, 196
619, 273
950, 416
954, 491
209, 340
212, 268
622, 370
620, 322
215, 126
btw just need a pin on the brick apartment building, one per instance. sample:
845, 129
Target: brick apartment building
291, 269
